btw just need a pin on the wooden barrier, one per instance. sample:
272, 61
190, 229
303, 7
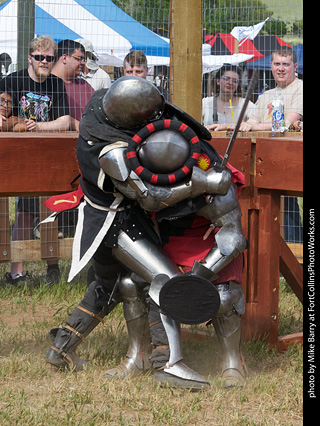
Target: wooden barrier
35, 164
39, 163
275, 169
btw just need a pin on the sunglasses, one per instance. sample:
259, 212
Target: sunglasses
41, 58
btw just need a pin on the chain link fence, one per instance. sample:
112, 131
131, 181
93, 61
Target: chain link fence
242, 33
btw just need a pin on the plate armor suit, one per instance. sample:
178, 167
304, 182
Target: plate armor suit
145, 193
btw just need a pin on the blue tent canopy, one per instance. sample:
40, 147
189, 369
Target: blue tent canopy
45, 24
140, 37
265, 63
110, 29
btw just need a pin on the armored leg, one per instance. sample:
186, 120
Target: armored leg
223, 213
135, 310
227, 324
97, 302
166, 358
144, 258
151, 263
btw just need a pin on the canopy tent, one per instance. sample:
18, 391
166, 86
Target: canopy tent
259, 47
209, 62
214, 62
111, 31
265, 63
266, 44
225, 44
299, 51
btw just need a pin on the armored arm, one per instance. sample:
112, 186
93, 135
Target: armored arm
153, 197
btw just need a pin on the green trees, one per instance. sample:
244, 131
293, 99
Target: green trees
218, 15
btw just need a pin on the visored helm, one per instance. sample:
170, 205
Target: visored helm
132, 101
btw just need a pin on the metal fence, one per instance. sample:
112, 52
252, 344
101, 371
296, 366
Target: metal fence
115, 28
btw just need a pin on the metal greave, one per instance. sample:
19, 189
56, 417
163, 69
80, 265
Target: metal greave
228, 331
173, 331
135, 309
227, 324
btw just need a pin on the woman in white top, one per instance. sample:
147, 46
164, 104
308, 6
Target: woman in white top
221, 111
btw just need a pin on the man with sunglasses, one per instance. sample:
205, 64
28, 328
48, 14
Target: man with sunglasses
41, 97
69, 65
42, 104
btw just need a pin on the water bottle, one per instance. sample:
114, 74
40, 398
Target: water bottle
278, 111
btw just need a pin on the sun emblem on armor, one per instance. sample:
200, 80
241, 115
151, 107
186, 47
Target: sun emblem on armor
203, 162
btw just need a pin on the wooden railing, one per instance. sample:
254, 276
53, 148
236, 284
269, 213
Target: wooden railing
45, 163
273, 166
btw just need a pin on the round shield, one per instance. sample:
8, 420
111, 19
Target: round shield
164, 151
189, 299
164, 178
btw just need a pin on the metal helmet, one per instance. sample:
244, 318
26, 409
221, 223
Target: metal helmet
132, 101
164, 151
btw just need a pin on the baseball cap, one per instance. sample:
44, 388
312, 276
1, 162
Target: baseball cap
91, 56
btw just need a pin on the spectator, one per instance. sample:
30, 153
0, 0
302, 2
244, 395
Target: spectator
7, 119
92, 73
40, 97
69, 64
42, 103
216, 109
283, 66
136, 63
158, 81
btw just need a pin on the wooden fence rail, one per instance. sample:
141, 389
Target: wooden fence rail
45, 164
272, 167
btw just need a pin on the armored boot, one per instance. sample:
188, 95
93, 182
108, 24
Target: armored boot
167, 357
96, 304
227, 324
135, 310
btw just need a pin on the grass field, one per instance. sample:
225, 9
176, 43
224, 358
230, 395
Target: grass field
286, 10
34, 393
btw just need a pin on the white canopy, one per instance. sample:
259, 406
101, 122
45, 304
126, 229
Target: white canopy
112, 32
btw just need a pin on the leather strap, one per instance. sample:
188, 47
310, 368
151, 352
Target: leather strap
91, 314
75, 332
154, 323
64, 354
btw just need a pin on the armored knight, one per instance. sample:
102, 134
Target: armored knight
144, 192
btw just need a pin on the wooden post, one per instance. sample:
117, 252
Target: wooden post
25, 30
186, 55
261, 317
236, 46
5, 249
49, 233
